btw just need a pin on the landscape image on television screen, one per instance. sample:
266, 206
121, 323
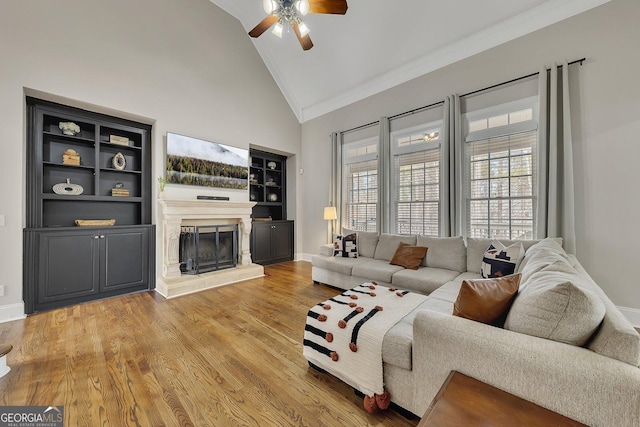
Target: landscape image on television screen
193, 161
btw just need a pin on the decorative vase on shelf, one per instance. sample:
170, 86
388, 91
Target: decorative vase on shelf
271, 165
272, 197
69, 128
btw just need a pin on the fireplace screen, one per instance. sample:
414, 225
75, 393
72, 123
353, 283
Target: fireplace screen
208, 248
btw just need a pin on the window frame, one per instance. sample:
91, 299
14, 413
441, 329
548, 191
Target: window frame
396, 150
350, 160
494, 133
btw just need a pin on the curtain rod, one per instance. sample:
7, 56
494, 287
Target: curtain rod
415, 110
581, 60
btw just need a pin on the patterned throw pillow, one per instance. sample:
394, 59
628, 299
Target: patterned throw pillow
345, 246
500, 260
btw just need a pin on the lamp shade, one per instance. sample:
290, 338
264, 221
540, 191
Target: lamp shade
330, 213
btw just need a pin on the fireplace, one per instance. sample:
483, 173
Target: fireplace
178, 276
208, 248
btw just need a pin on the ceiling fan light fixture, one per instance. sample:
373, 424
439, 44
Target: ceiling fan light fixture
268, 6
303, 7
304, 30
277, 30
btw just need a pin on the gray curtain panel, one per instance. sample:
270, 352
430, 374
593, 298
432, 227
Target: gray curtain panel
384, 171
556, 208
451, 201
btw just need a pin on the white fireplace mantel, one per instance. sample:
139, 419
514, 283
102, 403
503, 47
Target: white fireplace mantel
174, 214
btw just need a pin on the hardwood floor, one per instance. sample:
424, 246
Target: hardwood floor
230, 356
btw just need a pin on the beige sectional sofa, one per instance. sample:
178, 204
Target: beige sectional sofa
564, 345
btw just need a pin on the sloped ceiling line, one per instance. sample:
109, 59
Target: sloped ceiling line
305, 78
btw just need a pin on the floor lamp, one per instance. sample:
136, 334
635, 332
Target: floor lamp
330, 214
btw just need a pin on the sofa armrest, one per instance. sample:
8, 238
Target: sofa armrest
326, 250
573, 381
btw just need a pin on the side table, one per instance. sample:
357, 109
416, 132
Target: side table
465, 401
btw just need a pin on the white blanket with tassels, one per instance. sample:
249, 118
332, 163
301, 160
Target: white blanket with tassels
330, 346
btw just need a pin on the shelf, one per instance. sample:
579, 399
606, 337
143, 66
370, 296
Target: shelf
69, 138
90, 198
136, 172
60, 165
116, 147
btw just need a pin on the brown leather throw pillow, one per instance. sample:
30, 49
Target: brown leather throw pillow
409, 256
486, 300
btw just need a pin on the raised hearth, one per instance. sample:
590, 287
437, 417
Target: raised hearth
178, 213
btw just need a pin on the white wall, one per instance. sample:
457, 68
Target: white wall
606, 133
185, 66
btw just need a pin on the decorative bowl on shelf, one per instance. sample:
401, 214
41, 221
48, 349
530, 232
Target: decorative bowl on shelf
69, 128
67, 188
272, 197
94, 222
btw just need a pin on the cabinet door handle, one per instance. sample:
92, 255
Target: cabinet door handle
102, 237
95, 237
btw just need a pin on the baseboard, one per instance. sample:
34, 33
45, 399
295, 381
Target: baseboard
633, 314
12, 312
303, 257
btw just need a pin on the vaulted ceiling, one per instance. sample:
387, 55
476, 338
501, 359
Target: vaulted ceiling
379, 44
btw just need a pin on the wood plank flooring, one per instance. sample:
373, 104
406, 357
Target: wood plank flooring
230, 356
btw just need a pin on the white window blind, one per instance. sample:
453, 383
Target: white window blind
417, 193
415, 189
360, 191
500, 170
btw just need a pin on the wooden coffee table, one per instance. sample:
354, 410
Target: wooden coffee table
465, 401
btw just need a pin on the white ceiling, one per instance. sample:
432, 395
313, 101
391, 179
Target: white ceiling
379, 44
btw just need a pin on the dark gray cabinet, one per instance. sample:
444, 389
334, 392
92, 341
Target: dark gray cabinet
109, 160
76, 265
272, 241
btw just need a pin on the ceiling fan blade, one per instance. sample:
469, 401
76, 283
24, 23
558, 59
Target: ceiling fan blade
263, 26
305, 41
336, 7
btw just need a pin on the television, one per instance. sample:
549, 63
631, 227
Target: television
192, 161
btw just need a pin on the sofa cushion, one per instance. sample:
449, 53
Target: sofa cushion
397, 345
486, 300
388, 243
367, 241
616, 338
338, 264
445, 252
551, 304
375, 269
424, 280
408, 256
544, 252
500, 260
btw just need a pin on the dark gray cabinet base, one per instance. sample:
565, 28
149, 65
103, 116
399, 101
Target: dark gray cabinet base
71, 265
271, 242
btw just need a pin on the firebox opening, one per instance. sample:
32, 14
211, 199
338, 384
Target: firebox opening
208, 248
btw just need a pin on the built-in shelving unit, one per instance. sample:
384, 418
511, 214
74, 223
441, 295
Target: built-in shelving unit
271, 240
106, 160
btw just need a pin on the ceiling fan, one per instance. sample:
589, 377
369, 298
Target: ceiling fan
282, 12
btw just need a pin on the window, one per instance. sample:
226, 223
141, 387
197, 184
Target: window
500, 171
415, 187
360, 192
